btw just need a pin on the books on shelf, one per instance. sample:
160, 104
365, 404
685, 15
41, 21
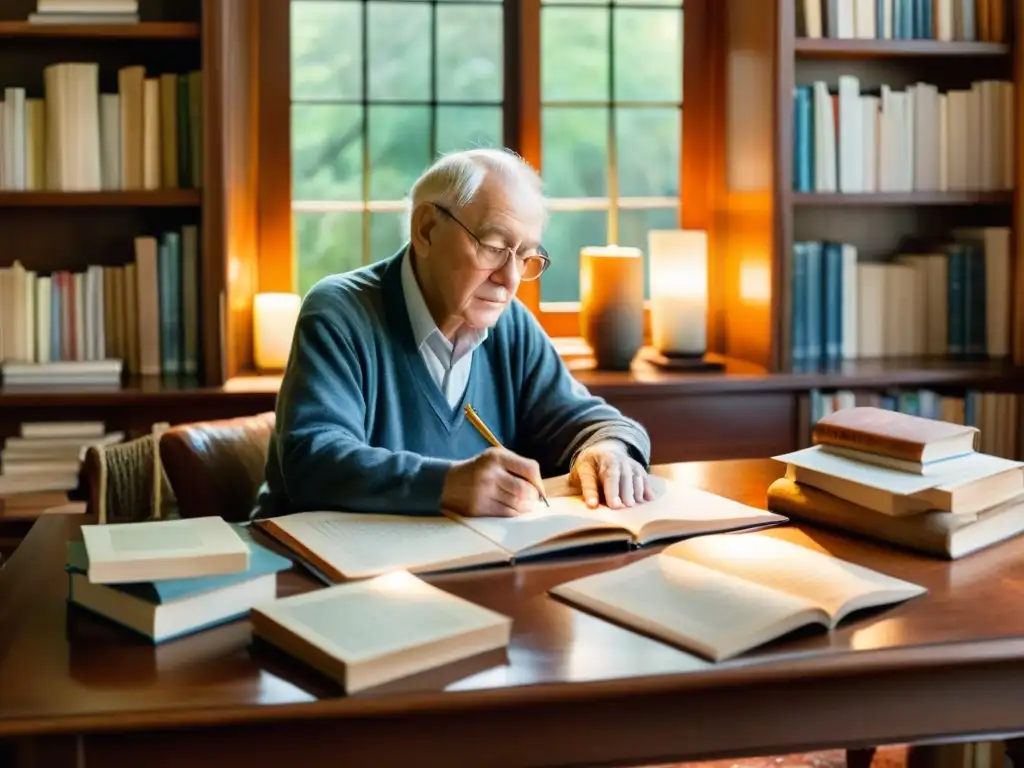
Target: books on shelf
147, 136
371, 632
341, 545
45, 459
944, 20
947, 298
993, 413
85, 12
80, 327
721, 596
960, 504
162, 609
851, 140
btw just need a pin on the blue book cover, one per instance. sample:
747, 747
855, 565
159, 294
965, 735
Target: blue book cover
262, 562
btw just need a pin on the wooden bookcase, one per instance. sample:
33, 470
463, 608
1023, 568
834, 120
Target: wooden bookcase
742, 149
56, 230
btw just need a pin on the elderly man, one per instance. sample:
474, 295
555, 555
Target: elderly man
370, 416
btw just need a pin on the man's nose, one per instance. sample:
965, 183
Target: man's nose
508, 276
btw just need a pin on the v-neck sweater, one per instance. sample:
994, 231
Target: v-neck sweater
361, 426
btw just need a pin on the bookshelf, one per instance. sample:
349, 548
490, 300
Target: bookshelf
911, 209
51, 227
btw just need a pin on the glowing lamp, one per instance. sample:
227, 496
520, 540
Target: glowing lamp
273, 324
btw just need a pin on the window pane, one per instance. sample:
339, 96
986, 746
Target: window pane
327, 50
568, 232
657, 73
575, 151
467, 127
399, 149
327, 149
676, 3
574, 54
399, 51
649, 145
634, 225
469, 53
387, 234
326, 243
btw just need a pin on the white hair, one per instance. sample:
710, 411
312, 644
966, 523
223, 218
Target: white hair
454, 179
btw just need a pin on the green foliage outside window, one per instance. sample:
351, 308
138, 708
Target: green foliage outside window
379, 89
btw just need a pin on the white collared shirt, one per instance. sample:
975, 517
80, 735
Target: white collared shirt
449, 364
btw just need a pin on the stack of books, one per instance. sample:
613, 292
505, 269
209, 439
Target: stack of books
42, 463
85, 12
169, 578
905, 480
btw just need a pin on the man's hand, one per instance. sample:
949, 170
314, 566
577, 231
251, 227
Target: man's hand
497, 483
605, 469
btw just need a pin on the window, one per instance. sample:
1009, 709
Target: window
611, 91
378, 88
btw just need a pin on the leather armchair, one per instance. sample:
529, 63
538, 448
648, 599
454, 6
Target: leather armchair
215, 468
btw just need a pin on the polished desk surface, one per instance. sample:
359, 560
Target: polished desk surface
62, 671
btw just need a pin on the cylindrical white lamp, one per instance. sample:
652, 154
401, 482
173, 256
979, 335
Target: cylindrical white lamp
679, 291
273, 324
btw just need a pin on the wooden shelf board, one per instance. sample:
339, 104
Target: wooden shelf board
901, 198
146, 30
911, 372
159, 198
739, 377
818, 48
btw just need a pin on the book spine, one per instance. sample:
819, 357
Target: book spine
845, 437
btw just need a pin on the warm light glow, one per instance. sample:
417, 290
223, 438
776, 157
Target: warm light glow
397, 581
755, 282
679, 290
880, 633
273, 324
619, 260
612, 303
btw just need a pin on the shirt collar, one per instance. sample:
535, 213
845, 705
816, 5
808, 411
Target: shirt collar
423, 325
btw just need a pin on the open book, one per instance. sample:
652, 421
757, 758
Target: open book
378, 630
720, 596
344, 545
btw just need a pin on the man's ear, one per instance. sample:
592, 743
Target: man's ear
424, 218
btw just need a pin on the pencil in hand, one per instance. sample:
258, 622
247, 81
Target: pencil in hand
477, 422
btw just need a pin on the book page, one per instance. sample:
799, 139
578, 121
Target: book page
953, 473
700, 609
356, 545
835, 585
363, 620
679, 509
567, 516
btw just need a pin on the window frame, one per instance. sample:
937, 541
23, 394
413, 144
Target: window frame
521, 122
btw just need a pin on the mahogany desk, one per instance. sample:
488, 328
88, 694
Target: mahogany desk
573, 690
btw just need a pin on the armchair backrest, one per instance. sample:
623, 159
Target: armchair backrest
215, 468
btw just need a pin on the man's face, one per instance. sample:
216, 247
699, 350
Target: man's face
470, 263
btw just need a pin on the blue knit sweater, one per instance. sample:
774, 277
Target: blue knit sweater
362, 427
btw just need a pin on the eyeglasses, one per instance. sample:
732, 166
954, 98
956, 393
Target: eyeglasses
530, 264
